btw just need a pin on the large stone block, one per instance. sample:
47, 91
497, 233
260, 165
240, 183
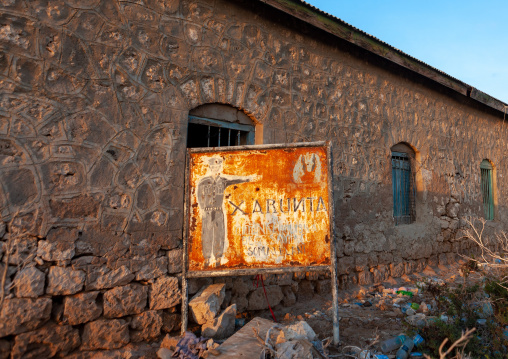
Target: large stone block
175, 260
64, 281
46, 342
289, 296
126, 300
5, 349
242, 303
195, 284
22, 247
257, 300
223, 326
22, 315
29, 283
103, 278
205, 305
324, 287
20, 185
59, 244
81, 206
81, 308
153, 269
305, 291
105, 334
165, 293
146, 326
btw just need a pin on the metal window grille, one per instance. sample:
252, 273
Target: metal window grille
403, 184
206, 132
487, 189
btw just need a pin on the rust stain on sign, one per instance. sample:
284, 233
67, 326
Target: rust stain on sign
258, 208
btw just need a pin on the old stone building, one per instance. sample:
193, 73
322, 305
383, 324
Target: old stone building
99, 101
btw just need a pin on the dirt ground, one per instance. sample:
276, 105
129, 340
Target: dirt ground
360, 323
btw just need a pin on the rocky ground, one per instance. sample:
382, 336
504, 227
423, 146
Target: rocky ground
368, 315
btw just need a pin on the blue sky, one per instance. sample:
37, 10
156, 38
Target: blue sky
466, 39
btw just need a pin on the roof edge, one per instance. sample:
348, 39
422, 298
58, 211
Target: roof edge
339, 28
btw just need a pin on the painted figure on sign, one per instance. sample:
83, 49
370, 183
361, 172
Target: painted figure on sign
307, 169
210, 196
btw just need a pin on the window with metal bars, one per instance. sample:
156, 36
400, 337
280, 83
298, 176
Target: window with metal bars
486, 182
403, 185
206, 132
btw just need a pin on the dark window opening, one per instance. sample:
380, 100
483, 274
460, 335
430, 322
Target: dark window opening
205, 132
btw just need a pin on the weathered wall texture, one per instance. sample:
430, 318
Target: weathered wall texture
93, 124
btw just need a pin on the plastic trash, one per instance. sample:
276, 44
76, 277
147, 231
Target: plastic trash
365, 354
415, 306
393, 343
405, 292
380, 356
486, 310
481, 321
405, 349
418, 320
416, 355
418, 340
239, 322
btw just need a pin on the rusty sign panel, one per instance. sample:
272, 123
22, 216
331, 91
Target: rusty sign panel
258, 207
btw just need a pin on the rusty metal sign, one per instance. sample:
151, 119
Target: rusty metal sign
258, 208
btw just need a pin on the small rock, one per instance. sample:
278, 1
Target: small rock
164, 353
169, 342
171, 322
223, 326
205, 305
410, 312
301, 348
300, 330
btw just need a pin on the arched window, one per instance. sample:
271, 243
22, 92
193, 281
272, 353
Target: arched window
217, 125
487, 187
403, 184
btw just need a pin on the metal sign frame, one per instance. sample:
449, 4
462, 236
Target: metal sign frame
254, 271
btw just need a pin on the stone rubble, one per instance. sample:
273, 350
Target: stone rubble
206, 303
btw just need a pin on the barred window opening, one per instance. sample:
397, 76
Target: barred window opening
403, 184
487, 189
217, 125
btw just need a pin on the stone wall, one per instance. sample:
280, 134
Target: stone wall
94, 99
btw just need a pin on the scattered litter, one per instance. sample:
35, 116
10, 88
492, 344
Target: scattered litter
190, 347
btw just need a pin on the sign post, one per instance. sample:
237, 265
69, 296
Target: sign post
265, 209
